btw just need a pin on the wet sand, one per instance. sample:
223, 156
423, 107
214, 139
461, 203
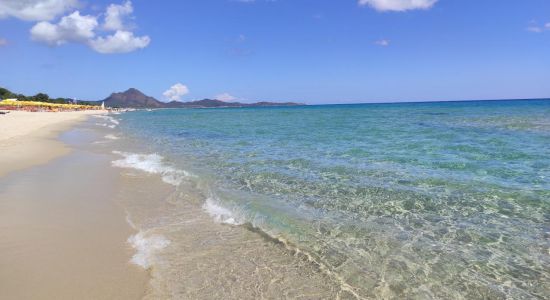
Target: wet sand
62, 236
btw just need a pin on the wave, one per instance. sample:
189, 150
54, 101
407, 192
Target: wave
114, 121
112, 126
220, 213
151, 163
146, 246
111, 137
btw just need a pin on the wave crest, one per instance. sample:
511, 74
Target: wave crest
220, 213
111, 137
151, 163
146, 246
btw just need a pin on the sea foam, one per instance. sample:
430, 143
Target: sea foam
111, 137
151, 163
114, 121
146, 246
220, 213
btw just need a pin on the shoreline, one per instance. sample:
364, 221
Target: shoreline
196, 248
64, 236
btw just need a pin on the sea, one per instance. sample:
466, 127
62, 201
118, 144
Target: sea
446, 200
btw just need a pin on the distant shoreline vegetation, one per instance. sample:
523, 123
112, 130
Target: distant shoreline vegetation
41, 97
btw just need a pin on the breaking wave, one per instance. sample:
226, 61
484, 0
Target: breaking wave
151, 163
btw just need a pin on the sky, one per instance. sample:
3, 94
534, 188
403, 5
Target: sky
310, 51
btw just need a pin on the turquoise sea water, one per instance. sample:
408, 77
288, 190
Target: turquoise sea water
420, 200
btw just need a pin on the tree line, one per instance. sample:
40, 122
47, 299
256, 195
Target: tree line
40, 97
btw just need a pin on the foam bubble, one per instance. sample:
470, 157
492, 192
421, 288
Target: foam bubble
146, 246
220, 213
111, 137
151, 163
112, 126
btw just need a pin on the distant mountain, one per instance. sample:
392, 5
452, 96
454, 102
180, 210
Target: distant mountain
133, 98
265, 103
213, 103
207, 103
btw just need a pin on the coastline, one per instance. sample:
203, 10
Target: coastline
195, 247
63, 234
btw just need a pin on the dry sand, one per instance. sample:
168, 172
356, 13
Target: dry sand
61, 234
26, 138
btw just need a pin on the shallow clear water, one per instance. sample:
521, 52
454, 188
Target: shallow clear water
440, 200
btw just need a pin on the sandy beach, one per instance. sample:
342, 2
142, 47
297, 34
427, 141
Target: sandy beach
61, 234
28, 138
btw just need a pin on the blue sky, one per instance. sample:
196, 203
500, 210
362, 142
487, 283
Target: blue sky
333, 51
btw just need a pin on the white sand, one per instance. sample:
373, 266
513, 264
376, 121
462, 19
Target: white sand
26, 137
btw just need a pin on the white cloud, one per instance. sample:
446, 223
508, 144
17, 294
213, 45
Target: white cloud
225, 97
3, 42
71, 28
398, 5
176, 91
35, 10
534, 29
120, 42
383, 43
84, 29
115, 14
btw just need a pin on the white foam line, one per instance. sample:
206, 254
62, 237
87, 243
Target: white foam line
151, 163
110, 119
146, 246
111, 137
220, 213
226, 216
